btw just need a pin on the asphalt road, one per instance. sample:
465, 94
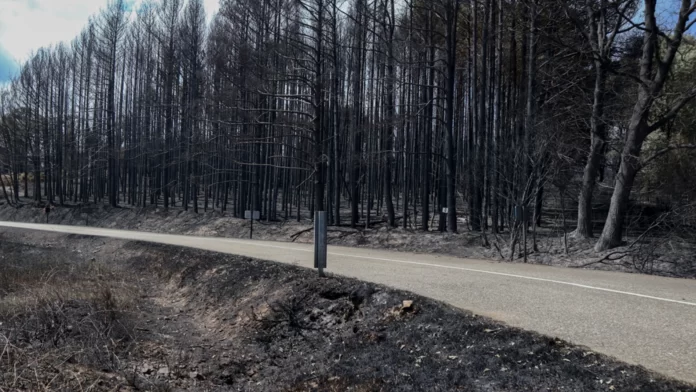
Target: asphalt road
639, 319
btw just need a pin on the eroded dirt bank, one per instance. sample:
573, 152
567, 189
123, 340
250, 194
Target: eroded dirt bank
78, 313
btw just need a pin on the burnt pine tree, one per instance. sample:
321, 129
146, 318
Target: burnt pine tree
377, 111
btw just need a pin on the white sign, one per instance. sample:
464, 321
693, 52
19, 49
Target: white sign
257, 215
445, 210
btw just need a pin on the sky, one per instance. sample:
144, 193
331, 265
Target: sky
27, 25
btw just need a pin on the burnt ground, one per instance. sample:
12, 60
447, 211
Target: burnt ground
668, 256
80, 313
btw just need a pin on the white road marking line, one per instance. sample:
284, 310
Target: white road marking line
131, 235
584, 286
526, 277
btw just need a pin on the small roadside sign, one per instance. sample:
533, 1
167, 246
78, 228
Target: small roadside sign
256, 215
248, 214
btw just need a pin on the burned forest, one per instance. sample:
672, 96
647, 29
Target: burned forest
494, 117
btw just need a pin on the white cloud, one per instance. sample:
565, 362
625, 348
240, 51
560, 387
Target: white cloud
27, 25
211, 7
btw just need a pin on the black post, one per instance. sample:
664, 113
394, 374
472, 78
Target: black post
525, 227
253, 209
320, 241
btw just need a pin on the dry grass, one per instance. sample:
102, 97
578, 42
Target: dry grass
63, 325
27, 285
30, 177
208, 322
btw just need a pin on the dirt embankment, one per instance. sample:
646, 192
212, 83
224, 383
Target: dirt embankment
668, 258
79, 313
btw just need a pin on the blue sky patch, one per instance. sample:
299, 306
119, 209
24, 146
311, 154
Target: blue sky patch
8, 66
